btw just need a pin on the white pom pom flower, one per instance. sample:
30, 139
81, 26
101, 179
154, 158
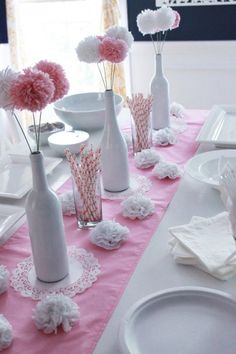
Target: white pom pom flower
146, 22
164, 137
56, 310
137, 207
6, 335
166, 170
128, 140
6, 77
177, 110
4, 279
67, 203
88, 50
119, 32
165, 18
146, 158
109, 235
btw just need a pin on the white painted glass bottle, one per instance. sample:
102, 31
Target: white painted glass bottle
114, 152
46, 229
160, 92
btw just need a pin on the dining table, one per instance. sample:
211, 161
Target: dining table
129, 273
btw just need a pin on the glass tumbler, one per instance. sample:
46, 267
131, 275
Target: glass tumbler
141, 133
88, 200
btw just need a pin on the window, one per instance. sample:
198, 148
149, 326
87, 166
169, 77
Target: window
200, 19
52, 29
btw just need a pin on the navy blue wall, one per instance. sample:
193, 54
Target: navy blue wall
3, 22
197, 22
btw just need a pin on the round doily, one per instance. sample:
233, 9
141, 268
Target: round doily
83, 266
138, 184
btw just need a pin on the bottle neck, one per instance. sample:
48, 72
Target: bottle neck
38, 171
159, 69
110, 110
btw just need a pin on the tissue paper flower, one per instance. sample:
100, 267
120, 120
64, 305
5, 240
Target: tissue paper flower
146, 158
164, 137
32, 90
4, 279
88, 49
118, 32
6, 77
166, 169
6, 335
57, 75
146, 22
109, 235
56, 310
165, 18
177, 20
177, 110
112, 47
137, 207
113, 50
128, 140
67, 203
158, 22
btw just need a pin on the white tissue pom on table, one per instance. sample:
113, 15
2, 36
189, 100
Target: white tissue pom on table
128, 140
146, 158
109, 235
4, 279
67, 203
6, 335
166, 170
164, 137
56, 310
137, 207
177, 110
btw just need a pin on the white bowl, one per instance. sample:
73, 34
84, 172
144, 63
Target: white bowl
85, 111
46, 130
67, 140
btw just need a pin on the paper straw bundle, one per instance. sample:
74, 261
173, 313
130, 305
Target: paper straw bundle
85, 176
140, 109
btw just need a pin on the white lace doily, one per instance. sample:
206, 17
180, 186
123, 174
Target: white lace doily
83, 271
138, 184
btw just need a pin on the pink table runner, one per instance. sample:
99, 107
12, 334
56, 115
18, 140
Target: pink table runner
98, 302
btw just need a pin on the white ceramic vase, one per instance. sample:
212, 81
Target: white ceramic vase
114, 152
160, 91
46, 229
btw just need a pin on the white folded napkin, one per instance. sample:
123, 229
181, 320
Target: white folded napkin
206, 244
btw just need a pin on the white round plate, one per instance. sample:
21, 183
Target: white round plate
188, 320
206, 167
67, 140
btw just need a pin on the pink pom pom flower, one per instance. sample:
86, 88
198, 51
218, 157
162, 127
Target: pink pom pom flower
32, 90
57, 75
113, 50
177, 20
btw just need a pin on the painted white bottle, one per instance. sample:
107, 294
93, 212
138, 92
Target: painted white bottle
160, 91
114, 152
46, 229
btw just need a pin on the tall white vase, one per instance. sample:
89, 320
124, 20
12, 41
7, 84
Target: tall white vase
160, 92
114, 152
46, 229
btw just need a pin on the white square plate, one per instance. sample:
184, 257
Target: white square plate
220, 127
16, 176
9, 216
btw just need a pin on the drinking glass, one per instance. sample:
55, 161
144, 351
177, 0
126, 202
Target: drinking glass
88, 200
